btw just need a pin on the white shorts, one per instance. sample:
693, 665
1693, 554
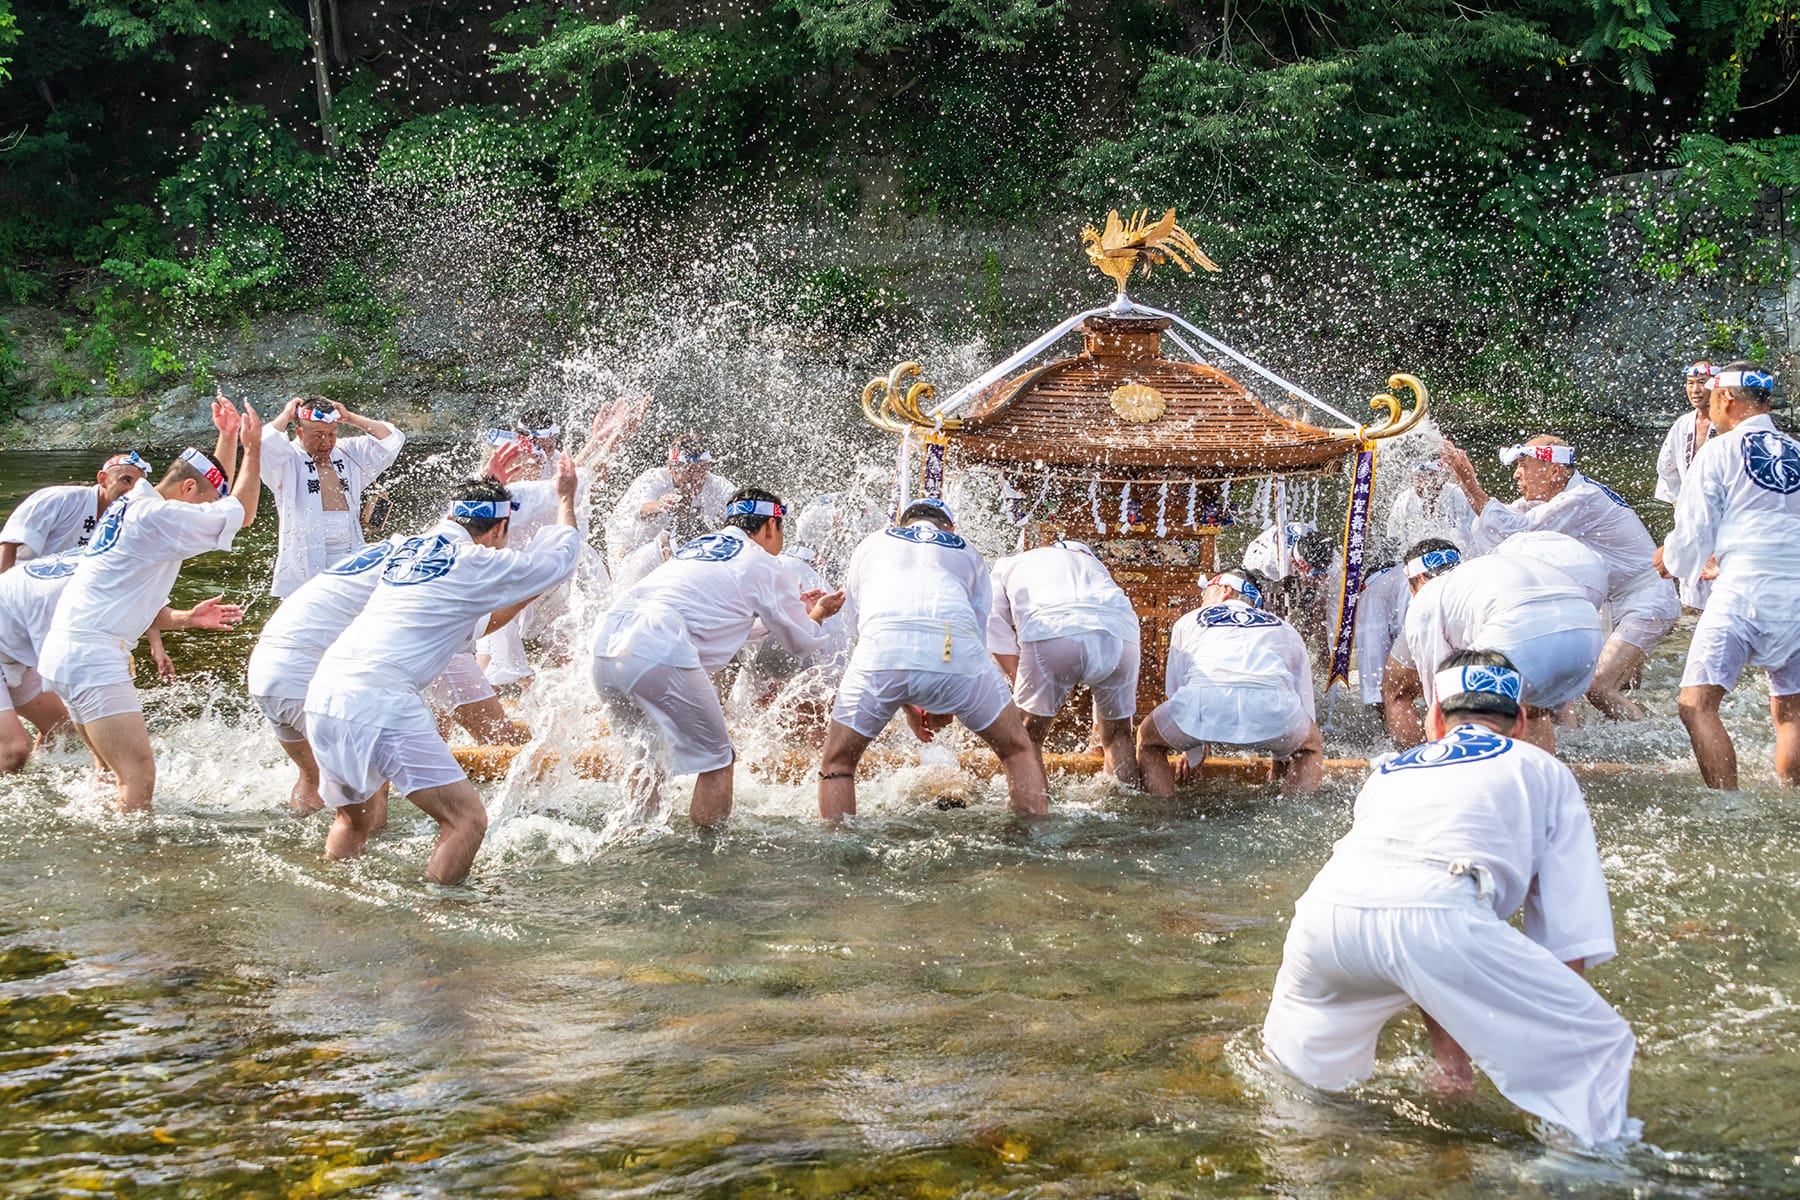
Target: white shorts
1049, 670
461, 683
868, 699
19, 684
1725, 643
672, 712
97, 701
356, 758
1265, 720
1644, 610
1558, 666
1548, 1040
286, 714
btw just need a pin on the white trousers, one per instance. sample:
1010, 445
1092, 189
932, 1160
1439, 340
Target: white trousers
1051, 669
1547, 1039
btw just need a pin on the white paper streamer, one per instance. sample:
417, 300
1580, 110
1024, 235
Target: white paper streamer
1162, 507
1094, 503
1125, 505
1193, 495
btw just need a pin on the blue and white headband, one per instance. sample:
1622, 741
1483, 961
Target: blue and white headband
1428, 464
1562, 456
1701, 368
500, 437
204, 465
1432, 560
696, 456
483, 510
1762, 381
1249, 591
131, 458
325, 416
544, 434
755, 508
934, 502
1490, 681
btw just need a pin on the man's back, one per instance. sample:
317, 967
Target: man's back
29, 595
1059, 590
918, 598
1588, 511
52, 520
1741, 503
1232, 644
1496, 599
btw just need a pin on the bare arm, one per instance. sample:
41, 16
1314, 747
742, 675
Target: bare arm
565, 490
1009, 666
1400, 687
226, 420
1458, 464
500, 616
369, 425
247, 487
9, 555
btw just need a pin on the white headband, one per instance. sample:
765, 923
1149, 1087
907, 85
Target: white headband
1760, 380
1562, 456
325, 416
204, 465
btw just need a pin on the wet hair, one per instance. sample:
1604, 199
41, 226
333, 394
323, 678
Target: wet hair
536, 416
1426, 546
1315, 549
688, 443
1755, 397
750, 522
925, 510
479, 489
1484, 704
180, 469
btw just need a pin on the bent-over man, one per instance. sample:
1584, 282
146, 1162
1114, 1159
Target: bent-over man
54, 519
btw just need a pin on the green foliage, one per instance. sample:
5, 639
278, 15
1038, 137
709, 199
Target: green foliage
243, 165
9, 33
134, 25
12, 368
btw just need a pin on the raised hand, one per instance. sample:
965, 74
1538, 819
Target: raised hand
249, 426
504, 463
827, 606
224, 414
566, 479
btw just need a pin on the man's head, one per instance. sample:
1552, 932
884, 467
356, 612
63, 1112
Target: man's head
195, 477
1428, 558
689, 463
931, 510
1542, 467
1481, 686
483, 507
760, 514
1697, 380
1428, 478
1234, 583
541, 426
318, 420
1741, 390
1312, 555
119, 474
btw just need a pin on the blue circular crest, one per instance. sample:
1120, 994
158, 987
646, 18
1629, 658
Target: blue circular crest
1231, 614
1610, 494
111, 522
57, 566
365, 559
1772, 461
420, 560
926, 535
711, 547
1464, 745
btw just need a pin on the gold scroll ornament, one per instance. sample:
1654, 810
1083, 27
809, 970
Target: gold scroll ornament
1398, 421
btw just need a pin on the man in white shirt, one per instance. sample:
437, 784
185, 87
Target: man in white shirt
317, 479
1554, 495
919, 598
365, 719
1237, 676
1449, 839
1740, 504
54, 519
1684, 441
1380, 622
664, 507
1433, 506
1533, 613
1059, 622
1271, 553
657, 648
123, 582
28, 601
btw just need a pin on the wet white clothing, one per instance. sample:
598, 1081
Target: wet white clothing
1058, 609
765, 659
462, 681
867, 699
435, 596
1264, 553
1449, 840
1679, 449
1643, 604
1050, 669
1741, 504
918, 599
699, 608
1725, 643
1569, 555
1380, 621
627, 532
303, 626
663, 712
355, 758
1448, 516
124, 578
538, 504
1237, 676
29, 594
309, 538
1534, 614
52, 520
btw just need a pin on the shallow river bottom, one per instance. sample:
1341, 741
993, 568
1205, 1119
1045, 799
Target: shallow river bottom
929, 1004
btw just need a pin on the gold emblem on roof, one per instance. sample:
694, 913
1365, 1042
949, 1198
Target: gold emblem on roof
1138, 403
1139, 244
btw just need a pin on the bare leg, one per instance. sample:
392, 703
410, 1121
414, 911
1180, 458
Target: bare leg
1620, 663
1540, 728
488, 724
1454, 1077
122, 743
1120, 750
1713, 750
1400, 687
1023, 763
837, 772
378, 804
712, 796
304, 799
1153, 759
462, 823
46, 711
15, 742
1787, 738
1306, 768
1037, 728
351, 826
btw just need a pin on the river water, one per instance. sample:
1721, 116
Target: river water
930, 1004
